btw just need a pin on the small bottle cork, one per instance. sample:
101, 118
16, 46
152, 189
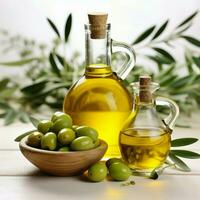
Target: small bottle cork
98, 25
145, 94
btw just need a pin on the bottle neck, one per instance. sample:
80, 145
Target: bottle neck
144, 95
97, 52
142, 102
146, 104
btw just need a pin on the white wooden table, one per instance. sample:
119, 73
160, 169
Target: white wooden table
20, 180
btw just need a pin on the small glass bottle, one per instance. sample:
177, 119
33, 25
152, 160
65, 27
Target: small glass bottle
100, 99
145, 138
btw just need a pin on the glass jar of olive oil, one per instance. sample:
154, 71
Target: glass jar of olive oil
145, 138
100, 99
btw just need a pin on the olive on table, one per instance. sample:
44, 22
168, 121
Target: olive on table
97, 172
112, 160
49, 141
82, 143
44, 126
34, 139
66, 136
119, 171
64, 149
87, 131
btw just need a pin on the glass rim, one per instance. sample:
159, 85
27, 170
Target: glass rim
153, 86
161, 130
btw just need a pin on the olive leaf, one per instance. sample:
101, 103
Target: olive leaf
34, 121
188, 19
196, 61
160, 59
180, 82
10, 117
179, 162
144, 35
185, 154
48, 89
68, 26
160, 30
23, 117
183, 142
164, 53
34, 88
189, 62
184, 29
20, 137
53, 26
167, 80
165, 72
53, 64
60, 59
19, 62
191, 40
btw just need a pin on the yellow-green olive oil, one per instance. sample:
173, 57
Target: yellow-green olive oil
144, 149
101, 101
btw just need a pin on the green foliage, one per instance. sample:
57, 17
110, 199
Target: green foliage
53, 26
183, 142
144, 35
49, 73
160, 30
68, 26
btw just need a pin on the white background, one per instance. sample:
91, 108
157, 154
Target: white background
128, 18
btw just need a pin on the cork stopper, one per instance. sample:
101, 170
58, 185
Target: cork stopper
145, 89
98, 24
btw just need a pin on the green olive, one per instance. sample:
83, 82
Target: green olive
119, 171
60, 124
111, 161
44, 126
87, 131
49, 141
34, 139
66, 136
64, 149
60, 115
97, 172
56, 115
82, 143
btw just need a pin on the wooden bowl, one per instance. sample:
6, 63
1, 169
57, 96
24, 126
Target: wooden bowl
62, 163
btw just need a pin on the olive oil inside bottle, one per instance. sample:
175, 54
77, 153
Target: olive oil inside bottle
100, 100
144, 149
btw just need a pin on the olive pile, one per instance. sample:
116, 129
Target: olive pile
60, 134
117, 170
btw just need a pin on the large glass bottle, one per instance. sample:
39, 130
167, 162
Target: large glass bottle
99, 99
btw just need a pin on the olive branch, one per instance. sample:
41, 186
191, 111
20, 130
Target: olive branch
48, 72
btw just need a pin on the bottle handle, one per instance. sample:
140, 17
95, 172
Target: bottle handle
128, 51
174, 110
